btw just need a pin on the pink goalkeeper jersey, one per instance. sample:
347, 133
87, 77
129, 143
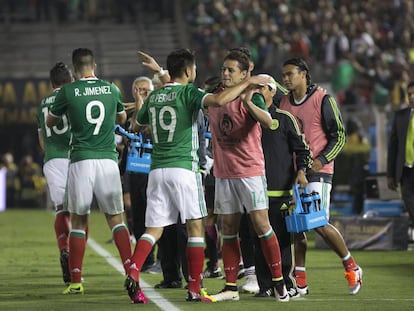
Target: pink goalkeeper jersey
236, 137
309, 118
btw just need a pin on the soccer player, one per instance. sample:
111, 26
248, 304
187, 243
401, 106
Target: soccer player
55, 145
92, 106
321, 122
174, 182
240, 175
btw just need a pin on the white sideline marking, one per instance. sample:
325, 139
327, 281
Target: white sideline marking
151, 294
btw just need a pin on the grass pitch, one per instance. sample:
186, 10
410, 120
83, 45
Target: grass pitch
30, 277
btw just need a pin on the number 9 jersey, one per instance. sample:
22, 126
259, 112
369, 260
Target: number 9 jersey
91, 105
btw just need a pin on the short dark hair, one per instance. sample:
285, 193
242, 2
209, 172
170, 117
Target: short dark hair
60, 74
82, 57
301, 65
243, 50
178, 61
240, 57
410, 84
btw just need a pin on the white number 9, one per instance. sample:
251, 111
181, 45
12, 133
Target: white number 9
97, 121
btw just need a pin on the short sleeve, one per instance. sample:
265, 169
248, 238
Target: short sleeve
194, 96
258, 100
118, 98
59, 107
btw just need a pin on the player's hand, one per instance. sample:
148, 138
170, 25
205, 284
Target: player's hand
149, 62
301, 179
129, 106
316, 166
246, 96
260, 80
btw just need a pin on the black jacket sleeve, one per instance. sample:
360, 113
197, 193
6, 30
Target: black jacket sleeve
334, 129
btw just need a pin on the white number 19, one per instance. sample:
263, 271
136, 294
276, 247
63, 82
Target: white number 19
167, 127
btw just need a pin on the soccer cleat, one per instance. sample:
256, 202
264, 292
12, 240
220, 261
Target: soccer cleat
270, 292
226, 294
293, 293
64, 264
134, 291
203, 292
281, 292
251, 286
302, 290
74, 289
213, 274
354, 278
197, 297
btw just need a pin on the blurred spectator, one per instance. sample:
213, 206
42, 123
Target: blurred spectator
399, 96
351, 166
32, 182
12, 180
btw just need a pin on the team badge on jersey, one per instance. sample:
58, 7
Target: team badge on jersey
275, 125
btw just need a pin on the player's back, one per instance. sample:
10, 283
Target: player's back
172, 114
56, 139
92, 105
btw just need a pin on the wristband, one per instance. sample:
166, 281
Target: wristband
160, 73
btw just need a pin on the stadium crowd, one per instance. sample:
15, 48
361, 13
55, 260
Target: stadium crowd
363, 48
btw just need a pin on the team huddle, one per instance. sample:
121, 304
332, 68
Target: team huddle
265, 138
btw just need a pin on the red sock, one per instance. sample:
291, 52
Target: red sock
300, 277
350, 264
195, 259
120, 235
62, 229
142, 249
77, 245
231, 257
271, 251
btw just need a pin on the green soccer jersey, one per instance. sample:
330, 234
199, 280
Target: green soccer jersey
172, 114
91, 105
56, 139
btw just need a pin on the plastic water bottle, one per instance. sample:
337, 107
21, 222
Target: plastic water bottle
306, 201
147, 150
134, 149
316, 200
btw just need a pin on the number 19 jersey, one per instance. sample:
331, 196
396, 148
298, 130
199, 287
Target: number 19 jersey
91, 105
172, 113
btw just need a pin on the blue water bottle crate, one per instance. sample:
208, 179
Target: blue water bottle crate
307, 214
139, 156
139, 153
